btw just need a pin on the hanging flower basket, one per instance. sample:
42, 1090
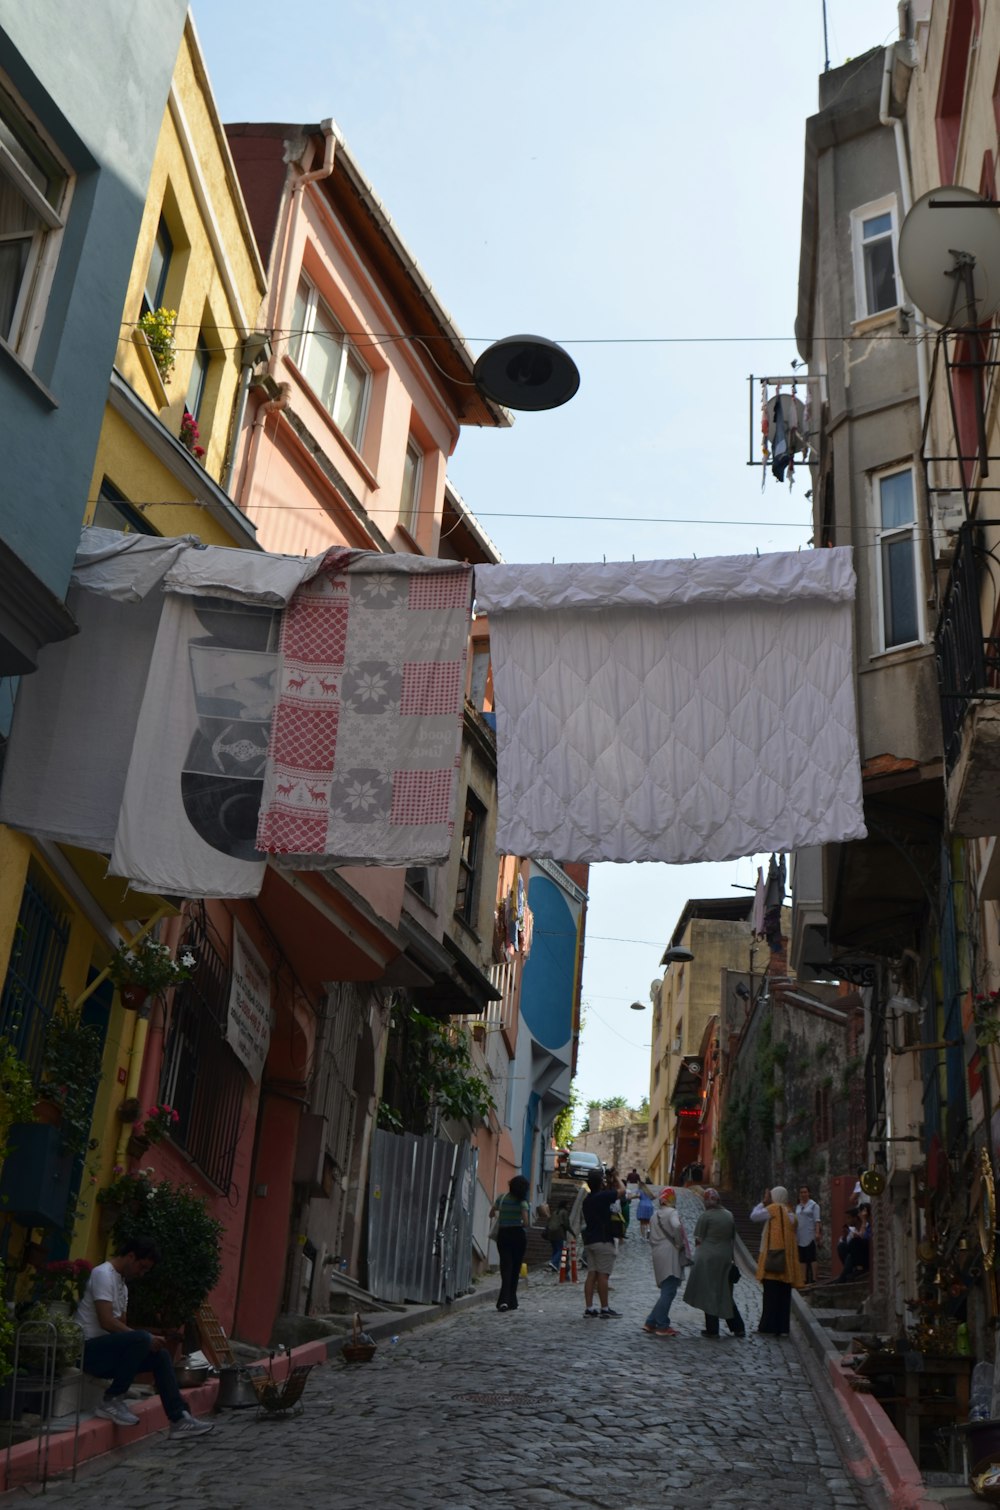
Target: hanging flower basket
134, 997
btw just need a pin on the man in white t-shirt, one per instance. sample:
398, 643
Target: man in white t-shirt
807, 1233
114, 1350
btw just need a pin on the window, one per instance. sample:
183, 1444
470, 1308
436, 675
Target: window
897, 565
873, 228
418, 879
466, 897
409, 500
114, 512
201, 1076
199, 376
325, 356
823, 1124
159, 267
33, 195
36, 961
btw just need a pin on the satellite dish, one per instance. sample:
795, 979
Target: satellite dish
526, 372
942, 250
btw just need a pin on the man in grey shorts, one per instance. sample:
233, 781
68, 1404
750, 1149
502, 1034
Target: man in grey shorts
599, 1206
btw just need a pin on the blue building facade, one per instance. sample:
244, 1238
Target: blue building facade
82, 95
550, 991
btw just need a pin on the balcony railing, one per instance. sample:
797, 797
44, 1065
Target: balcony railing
968, 662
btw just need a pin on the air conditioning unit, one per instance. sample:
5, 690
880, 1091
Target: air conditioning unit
947, 518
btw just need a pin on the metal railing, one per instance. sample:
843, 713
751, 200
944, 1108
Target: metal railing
968, 662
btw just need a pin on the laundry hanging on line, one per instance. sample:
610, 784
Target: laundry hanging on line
674, 710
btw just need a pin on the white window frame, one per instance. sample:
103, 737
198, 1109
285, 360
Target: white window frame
409, 513
884, 206
36, 284
314, 301
889, 534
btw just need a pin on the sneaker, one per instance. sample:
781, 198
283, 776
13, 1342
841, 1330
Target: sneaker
606, 1313
503, 1306
116, 1410
592, 1311
187, 1426
554, 1268
667, 1331
647, 1328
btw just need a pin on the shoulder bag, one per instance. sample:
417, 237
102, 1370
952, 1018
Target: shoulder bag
774, 1262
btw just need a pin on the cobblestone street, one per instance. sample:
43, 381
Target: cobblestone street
484, 1409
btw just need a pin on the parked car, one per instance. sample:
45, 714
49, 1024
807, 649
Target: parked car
582, 1163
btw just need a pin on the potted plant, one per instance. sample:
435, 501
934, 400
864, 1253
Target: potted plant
188, 1237
71, 1068
147, 968
158, 1122
61, 1283
158, 326
17, 1094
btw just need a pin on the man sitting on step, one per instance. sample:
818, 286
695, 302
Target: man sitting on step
114, 1350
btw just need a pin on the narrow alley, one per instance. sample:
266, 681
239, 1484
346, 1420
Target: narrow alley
532, 1407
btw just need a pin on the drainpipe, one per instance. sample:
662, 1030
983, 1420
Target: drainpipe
905, 189
298, 190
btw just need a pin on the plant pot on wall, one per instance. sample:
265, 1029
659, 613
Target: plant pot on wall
47, 1112
136, 1146
133, 998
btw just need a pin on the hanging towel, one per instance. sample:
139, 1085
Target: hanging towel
674, 710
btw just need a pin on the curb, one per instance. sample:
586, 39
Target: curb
98, 1436
883, 1458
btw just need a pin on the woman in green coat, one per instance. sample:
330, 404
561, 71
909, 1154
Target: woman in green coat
709, 1286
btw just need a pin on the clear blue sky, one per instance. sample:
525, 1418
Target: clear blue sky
627, 182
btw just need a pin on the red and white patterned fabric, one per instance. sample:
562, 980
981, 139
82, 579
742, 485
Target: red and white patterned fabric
366, 735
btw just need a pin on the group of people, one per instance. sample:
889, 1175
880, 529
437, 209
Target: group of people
786, 1259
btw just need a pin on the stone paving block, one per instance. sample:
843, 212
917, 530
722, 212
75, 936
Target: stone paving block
484, 1409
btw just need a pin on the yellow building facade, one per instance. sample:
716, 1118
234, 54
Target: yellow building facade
196, 258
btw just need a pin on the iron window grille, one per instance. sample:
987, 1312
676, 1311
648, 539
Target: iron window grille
33, 973
202, 1079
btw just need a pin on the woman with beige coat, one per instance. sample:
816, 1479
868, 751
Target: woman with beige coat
778, 1267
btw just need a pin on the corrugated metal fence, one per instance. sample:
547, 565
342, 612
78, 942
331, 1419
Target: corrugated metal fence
420, 1205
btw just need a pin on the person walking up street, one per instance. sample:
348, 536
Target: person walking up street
644, 1212
669, 1250
807, 1231
778, 1267
513, 1216
600, 1208
557, 1230
115, 1351
710, 1284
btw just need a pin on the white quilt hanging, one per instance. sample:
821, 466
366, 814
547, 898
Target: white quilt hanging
674, 710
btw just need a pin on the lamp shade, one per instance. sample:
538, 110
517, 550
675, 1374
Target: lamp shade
677, 955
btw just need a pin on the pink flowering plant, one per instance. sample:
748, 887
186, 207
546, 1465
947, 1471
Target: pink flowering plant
190, 435
63, 1281
159, 1121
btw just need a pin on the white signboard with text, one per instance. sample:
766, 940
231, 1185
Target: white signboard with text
249, 1028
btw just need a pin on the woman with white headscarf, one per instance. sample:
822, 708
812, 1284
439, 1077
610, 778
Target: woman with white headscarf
778, 1267
670, 1251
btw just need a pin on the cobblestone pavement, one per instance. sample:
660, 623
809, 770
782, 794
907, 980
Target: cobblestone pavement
501, 1411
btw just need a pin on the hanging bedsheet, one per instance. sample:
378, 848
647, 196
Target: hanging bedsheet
149, 734
674, 710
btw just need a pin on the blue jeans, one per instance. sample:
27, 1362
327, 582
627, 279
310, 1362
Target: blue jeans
119, 1356
659, 1316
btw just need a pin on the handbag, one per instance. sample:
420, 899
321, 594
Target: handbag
774, 1263
495, 1227
735, 1273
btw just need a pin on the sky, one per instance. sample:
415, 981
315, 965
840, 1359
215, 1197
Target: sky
629, 184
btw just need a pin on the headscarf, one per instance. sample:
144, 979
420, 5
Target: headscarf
668, 1196
779, 1195
711, 1198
